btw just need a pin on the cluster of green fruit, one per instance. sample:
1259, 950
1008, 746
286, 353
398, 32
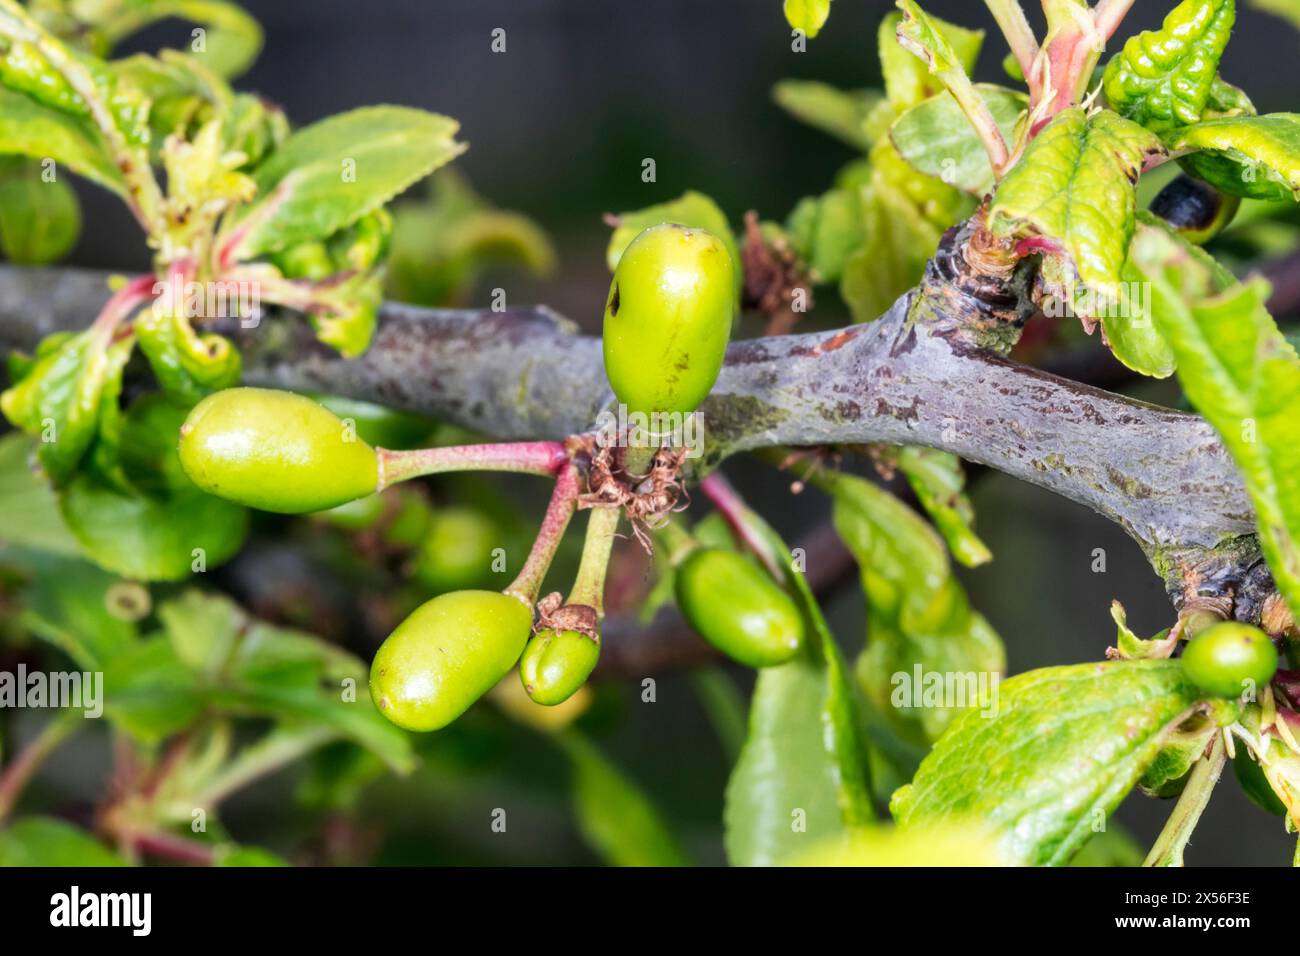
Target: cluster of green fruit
667, 322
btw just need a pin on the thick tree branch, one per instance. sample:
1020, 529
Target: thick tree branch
524, 373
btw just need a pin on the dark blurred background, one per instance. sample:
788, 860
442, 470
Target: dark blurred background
558, 125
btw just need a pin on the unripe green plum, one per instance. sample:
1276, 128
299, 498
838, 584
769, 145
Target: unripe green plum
735, 606
450, 652
556, 663
1223, 658
457, 550
668, 318
276, 451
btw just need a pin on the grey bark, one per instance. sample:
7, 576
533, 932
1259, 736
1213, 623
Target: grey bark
1163, 475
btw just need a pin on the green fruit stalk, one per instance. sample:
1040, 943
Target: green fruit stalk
668, 318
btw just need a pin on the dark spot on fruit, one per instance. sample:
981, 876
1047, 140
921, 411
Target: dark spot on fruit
613, 301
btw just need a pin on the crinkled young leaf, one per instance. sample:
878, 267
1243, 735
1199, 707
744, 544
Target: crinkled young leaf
44, 841
58, 400
1163, 78
1065, 747
1073, 191
840, 113
692, 209
807, 15
187, 365
1253, 156
936, 138
328, 175
614, 815
1241, 374
40, 217
1167, 774
908, 79
804, 755
28, 128
918, 616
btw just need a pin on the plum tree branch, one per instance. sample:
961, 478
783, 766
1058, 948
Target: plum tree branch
523, 373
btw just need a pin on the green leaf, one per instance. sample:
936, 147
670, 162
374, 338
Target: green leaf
39, 219
920, 626
614, 815
1065, 747
1242, 375
31, 511
254, 667
152, 537
691, 209
840, 113
66, 604
441, 245
44, 841
1073, 189
1253, 156
150, 692
937, 139
908, 79
27, 128
807, 15
58, 400
883, 846
1114, 846
328, 175
249, 856
937, 479
826, 230
1163, 78
803, 761
1287, 9
232, 39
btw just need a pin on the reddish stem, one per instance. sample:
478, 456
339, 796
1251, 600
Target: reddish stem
170, 847
564, 500
733, 508
530, 458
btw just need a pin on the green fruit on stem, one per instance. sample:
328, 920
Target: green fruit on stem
668, 318
735, 606
276, 451
1252, 780
446, 655
457, 550
1229, 658
555, 664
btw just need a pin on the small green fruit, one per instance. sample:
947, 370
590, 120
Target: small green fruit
457, 550
556, 664
276, 451
446, 655
737, 608
1221, 659
668, 318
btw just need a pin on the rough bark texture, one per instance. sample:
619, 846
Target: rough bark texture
923, 374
